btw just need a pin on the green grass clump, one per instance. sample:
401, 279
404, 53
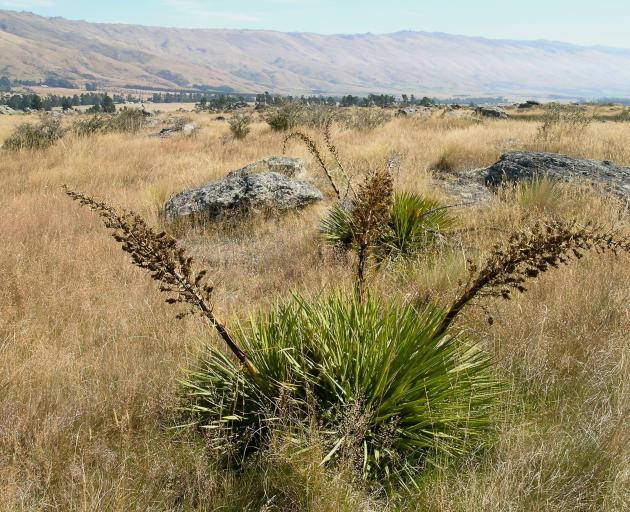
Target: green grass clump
415, 223
378, 378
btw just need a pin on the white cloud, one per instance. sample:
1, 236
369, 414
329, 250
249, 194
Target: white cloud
26, 4
197, 9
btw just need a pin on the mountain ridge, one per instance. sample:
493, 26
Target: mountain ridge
249, 60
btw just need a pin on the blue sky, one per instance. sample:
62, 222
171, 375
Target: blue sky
590, 22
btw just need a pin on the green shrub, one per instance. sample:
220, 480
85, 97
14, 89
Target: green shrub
35, 136
240, 125
284, 117
128, 120
415, 223
90, 125
417, 394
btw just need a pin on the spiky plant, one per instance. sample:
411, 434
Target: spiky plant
417, 393
415, 223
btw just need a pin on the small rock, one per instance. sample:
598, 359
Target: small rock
492, 112
406, 112
185, 129
6, 110
529, 104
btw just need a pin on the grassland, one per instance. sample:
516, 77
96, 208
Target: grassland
90, 356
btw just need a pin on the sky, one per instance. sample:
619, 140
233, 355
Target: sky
584, 22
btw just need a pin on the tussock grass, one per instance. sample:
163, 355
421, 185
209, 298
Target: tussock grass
89, 354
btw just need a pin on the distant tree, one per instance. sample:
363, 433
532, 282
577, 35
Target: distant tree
108, 105
5, 84
405, 98
66, 103
36, 103
15, 102
91, 86
349, 101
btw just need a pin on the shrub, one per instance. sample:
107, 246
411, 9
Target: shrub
128, 120
418, 394
623, 116
284, 117
415, 223
559, 120
316, 116
90, 125
367, 119
240, 125
35, 136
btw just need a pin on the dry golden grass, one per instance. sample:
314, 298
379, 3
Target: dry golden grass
90, 356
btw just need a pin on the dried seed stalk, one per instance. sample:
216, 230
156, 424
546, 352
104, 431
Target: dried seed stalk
314, 150
167, 263
332, 149
371, 211
528, 254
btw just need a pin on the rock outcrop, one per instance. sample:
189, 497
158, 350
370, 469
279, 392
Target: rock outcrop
604, 176
527, 166
244, 190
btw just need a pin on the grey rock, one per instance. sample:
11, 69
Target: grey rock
467, 185
492, 112
5, 109
406, 112
243, 190
184, 129
529, 104
515, 167
527, 166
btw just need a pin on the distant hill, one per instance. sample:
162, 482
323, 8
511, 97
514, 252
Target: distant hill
35, 47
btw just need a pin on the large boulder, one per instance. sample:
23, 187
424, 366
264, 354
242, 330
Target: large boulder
527, 166
519, 166
243, 190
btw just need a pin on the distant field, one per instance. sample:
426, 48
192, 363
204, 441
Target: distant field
91, 357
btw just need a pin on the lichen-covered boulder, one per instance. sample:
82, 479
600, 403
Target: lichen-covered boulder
243, 191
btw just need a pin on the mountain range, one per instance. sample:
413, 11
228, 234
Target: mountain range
33, 47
